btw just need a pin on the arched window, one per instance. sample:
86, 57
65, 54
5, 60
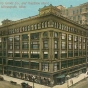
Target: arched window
59, 25
32, 27
13, 30
17, 30
28, 27
43, 25
20, 29
35, 26
46, 24
39, 25
23, 28
50, 23
55, 24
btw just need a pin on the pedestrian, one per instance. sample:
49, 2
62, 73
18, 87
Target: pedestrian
71, 81
87, 73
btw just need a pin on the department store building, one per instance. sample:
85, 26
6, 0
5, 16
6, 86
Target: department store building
47, 46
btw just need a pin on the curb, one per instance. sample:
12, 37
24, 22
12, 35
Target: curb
84, 79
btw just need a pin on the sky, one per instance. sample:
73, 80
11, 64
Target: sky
19, 9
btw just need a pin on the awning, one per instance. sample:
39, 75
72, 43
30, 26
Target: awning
61, 76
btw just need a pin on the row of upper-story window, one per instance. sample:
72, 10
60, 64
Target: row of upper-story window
45, 24
36, 44
44, 55
73, 37
24, 37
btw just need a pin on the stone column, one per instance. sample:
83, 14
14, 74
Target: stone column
51, 81
2, 70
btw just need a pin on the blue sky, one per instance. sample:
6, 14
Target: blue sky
30, 7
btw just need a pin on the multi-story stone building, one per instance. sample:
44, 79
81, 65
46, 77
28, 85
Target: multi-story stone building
47, 46
77, 13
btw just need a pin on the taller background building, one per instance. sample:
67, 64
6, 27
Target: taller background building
47, 46
77, 13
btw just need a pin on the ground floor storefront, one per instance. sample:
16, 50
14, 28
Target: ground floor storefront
44, 78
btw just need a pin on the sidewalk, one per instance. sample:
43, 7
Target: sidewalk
19, 81
75, 80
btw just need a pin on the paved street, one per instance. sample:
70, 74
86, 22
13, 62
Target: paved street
19, 81
82, 84
6, 84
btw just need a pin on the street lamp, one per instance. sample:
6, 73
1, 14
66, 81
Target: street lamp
33, 80
67, 80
